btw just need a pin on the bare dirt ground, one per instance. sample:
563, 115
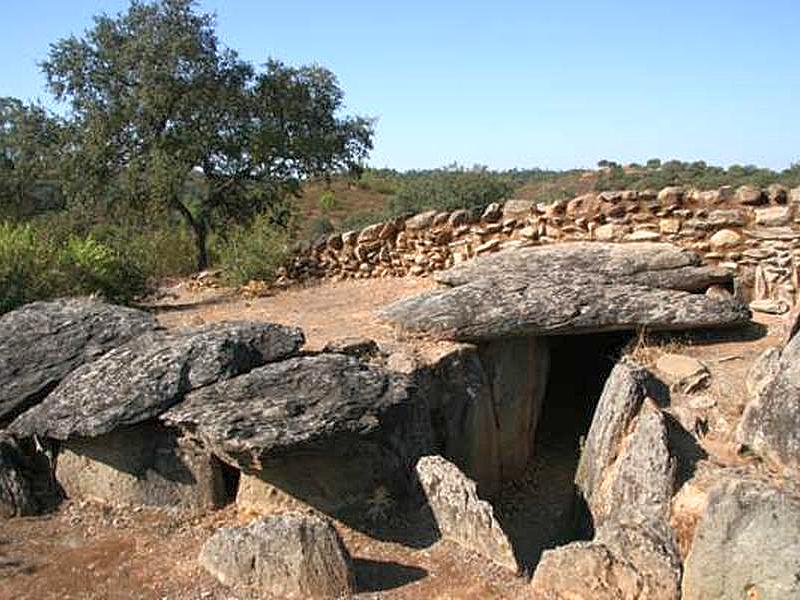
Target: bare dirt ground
90, 551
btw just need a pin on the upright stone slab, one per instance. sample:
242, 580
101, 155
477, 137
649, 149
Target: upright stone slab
16, 494
460, 514
145, 464
622, 397
770, 425
486, 402
746, 545
517, 370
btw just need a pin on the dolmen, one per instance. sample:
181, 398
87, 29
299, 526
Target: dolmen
128, 412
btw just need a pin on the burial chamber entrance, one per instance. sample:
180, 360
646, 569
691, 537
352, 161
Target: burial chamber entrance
542, 509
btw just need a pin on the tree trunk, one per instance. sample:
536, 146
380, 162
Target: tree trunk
199, 228
201, 243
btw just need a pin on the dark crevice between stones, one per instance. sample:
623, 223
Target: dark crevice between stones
543, 509
29, 403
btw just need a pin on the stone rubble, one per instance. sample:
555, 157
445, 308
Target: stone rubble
753, 232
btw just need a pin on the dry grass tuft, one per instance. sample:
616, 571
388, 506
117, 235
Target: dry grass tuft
647, 346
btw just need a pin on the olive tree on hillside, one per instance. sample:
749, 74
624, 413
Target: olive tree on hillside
155, 99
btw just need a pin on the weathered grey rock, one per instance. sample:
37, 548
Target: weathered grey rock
770, 306
784, 234
460, 514
16, 495
144, 377
777, 193
460, 217
146, 464
671, 196
641, 486
763, 370
746, 545
731, 217
41, 343
327, 429
622, 397
609, 232
749, 195
684, 373
492, 213
352, 346
774, 216
621, 563
724, 239
420, 221
570, 288
283, 556
370, 233
633, 554
770, 425
518, 208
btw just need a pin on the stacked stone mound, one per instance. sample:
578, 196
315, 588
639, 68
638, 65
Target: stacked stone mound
749, 231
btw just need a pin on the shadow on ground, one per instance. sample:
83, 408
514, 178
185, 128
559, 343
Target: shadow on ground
379, 576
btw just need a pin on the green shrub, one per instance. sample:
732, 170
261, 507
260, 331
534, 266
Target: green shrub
34, 266
449, 189
156, 252
327, 201
359, 220
24, 263
252, 252
85, 266
321, 226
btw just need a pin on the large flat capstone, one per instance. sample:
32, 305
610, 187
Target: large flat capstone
42, 342
573, 288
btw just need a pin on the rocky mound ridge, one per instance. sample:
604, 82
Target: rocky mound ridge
750, 232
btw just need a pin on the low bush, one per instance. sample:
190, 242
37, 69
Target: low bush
85, 266
449, 189
321, 226
255, 251
34, 266
24, 266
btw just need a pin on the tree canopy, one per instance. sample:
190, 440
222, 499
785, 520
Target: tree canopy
29, 139
154, 98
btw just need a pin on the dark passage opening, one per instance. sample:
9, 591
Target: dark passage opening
230, 481
542, 510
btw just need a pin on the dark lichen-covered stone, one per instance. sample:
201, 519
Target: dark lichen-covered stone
42, 342
16, 494
326, 429
148, 375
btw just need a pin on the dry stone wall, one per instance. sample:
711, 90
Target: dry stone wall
753, 232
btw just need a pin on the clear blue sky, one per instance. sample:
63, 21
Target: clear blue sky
511, 83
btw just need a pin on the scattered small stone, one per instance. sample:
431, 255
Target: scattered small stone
684, 373
770, 306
